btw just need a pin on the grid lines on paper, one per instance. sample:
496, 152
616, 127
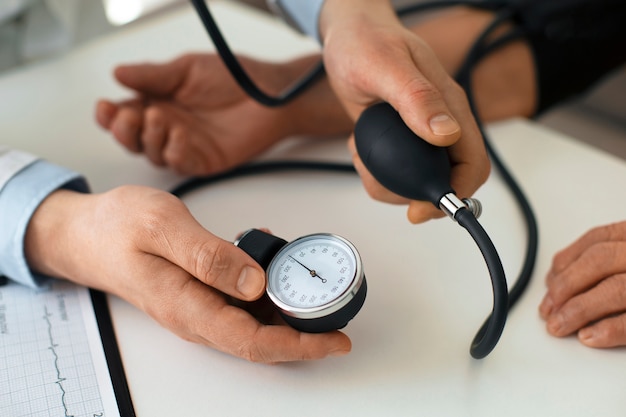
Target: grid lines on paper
45, 360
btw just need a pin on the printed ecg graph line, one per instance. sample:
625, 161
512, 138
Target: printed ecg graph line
52, 348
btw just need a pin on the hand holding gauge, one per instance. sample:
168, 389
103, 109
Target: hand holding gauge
408, 166
316, 281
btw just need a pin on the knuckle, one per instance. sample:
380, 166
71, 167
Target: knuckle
152, 113
179, 145
252, 352
212, 261
613, 292
155, 219
596, 232
560, 291
604, 251
167, 315
606, 232
420, 90
131, 120
559, 260
615, 231
156, 215
574, 312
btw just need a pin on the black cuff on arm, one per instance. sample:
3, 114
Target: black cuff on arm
575, 43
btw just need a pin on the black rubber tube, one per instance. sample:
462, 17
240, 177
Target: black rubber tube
240, 75
490, 332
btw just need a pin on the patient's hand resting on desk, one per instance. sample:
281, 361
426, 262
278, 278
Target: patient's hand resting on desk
144, 246
190, 115
587, 289
193, 117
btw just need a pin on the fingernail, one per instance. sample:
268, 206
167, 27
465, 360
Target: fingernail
249, 283
443, 125
339, 353
546, 306
586, 335
555, 324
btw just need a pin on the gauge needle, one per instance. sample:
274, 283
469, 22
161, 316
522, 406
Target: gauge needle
311, 271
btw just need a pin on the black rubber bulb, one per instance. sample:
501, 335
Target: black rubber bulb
399, 159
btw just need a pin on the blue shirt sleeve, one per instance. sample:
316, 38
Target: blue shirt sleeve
19, 199
301, 14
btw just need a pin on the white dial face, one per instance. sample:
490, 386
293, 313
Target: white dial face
312, 271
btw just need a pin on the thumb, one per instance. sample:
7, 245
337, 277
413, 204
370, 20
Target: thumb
153, 79
227, 268
212, 260
419, 89
427, 115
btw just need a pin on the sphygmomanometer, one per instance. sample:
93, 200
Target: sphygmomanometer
317, 281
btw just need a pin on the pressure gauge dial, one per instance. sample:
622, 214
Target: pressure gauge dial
316, 281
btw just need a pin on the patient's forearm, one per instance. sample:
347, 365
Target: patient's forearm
317, 111
504, 82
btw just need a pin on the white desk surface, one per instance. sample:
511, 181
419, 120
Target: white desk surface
428, 287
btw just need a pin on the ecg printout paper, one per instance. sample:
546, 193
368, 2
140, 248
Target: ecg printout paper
52, 362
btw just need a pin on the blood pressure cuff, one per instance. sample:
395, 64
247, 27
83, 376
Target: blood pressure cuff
575, 43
